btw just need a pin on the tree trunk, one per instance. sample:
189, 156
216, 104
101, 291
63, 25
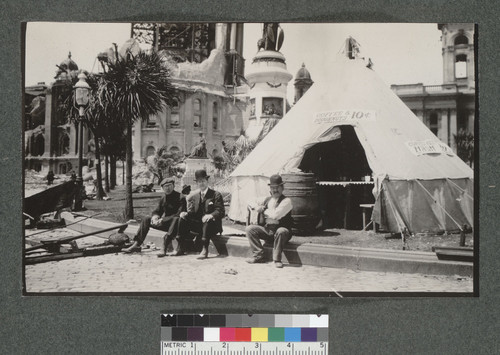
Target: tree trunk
112, 175
99, 194
106, 173
129, 206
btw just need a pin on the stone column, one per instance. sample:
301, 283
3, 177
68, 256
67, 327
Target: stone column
453, 129
187, 123
444, 130
220, 35
162, 124
48, 124
208, 132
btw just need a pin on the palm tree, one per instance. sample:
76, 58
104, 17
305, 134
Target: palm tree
132, 88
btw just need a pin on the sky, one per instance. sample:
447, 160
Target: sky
402, 53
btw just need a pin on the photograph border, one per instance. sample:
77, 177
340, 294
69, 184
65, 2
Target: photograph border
131, 323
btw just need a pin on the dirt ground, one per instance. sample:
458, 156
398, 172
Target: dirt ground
144, 203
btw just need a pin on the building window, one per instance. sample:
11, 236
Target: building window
272, 106
152, 121
433, 122
197, 114
461, 39
63, 168
215, 117
150, 151
175, 151
461, 66
252, 108
174, 113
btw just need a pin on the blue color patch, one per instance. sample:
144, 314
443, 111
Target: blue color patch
292, 334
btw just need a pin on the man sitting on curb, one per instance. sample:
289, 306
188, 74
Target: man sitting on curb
165, 217
277, 211
205, 210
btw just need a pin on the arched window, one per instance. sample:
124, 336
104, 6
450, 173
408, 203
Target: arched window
150, 151
37, 144
63, 168
461, 39
461, 66
433, 122
215, 117
175, 150
174, 113
64, 144
197, 114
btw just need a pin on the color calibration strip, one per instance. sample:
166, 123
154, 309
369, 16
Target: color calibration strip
255, 334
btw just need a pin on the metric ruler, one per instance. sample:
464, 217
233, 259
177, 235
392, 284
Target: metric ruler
244, 334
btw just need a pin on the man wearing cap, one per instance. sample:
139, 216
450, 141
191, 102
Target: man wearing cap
165, 217
277, 212
205, 210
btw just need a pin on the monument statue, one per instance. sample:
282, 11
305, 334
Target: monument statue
272, 37
199, 150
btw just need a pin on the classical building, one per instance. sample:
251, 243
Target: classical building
50, 141
302, 82
448, 108
207, 67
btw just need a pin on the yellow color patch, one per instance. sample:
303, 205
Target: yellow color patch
259, 334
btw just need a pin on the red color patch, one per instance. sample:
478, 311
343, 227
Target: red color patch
243, 334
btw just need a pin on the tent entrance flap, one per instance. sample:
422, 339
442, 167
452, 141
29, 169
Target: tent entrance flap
340, 159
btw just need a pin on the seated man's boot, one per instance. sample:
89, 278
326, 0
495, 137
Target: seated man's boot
179, 250
163, 252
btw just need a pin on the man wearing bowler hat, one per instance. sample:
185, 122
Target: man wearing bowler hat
165, 217
277, 213
205, 210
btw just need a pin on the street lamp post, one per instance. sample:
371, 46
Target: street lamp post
82, 92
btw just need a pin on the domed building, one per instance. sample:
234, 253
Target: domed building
302, 82
67, 70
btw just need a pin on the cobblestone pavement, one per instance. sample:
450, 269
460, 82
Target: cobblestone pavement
144, 272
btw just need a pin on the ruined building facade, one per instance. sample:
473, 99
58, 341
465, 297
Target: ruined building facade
50, 141
207, 64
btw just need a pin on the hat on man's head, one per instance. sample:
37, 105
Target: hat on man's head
167, 180
275, 180
186, 189
200, 174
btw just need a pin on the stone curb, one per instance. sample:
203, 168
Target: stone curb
363, 259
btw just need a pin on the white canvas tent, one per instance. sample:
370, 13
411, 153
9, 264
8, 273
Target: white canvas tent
419, 182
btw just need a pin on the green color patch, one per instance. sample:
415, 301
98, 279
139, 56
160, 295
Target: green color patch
276, 334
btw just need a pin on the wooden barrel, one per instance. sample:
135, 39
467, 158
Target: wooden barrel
301, 189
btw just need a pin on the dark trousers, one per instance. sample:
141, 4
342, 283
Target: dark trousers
279, 239
168, 224
204, 231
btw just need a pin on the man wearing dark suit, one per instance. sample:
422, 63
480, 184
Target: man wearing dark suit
165, 217
205, 210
